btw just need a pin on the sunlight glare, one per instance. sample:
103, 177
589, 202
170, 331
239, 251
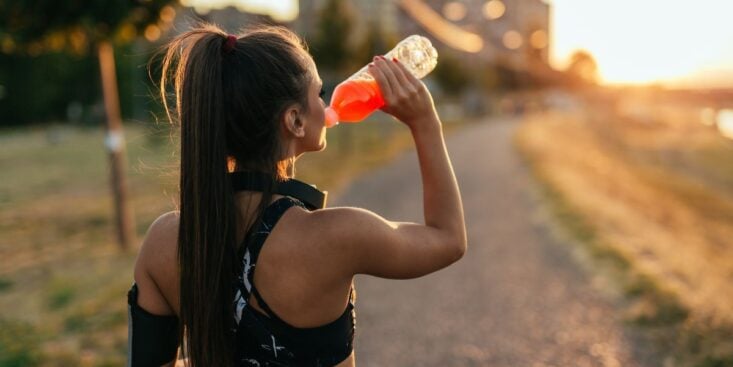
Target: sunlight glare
707, 116
538, 39
494, 9
645, 41
281, 10
455, 11
725, 123
152, 33
512, 40
167, 14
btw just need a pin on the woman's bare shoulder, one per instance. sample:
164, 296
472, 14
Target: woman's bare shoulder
338, 223
309, 244
156, 267
341, 214
161, 240
367, 243
338, 232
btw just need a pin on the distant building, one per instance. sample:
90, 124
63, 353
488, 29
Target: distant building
307, 21
230, 19
382, 14
513, 31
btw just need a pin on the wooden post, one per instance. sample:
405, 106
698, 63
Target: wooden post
115, 144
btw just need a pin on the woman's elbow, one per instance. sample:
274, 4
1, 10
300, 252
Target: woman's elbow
459, 245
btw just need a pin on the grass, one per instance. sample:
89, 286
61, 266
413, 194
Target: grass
63, 280
59, 293
652, 305
19, 344
652, 202
5, 284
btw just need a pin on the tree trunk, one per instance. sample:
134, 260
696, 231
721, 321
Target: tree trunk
115, 143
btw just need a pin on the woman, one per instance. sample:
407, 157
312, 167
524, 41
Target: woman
253, 104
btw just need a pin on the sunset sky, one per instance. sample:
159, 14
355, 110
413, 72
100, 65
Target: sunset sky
674, 42
678, 42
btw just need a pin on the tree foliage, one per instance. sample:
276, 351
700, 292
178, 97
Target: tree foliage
452, 75
374, 42
330, 47
48, 87
47, 71
36, 26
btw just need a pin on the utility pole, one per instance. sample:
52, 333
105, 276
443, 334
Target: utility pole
115, 144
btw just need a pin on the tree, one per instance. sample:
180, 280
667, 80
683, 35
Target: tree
453, 75
582, 68
38, 26
330, 47
375, 42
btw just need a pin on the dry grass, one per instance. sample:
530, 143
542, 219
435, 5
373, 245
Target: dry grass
63, 281
657, 194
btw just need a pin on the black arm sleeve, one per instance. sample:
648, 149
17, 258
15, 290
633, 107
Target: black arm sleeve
152, 339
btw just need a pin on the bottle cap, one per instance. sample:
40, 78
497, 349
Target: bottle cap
332, 118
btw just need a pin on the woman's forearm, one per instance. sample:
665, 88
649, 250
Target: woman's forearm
442, 205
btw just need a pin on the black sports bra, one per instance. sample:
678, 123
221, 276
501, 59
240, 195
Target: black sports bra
267, 340
261, 339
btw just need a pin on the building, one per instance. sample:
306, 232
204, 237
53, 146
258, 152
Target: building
381, 14
512, 32
230, 19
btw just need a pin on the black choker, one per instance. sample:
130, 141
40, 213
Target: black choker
257, 181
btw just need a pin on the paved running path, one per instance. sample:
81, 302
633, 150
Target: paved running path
517, 298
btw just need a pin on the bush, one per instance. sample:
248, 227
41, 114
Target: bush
19, 344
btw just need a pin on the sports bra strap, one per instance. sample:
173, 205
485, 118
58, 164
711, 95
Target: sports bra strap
270, 217
261, 302
261, 231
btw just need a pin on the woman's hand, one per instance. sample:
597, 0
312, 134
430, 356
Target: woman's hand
405, 96
375, 246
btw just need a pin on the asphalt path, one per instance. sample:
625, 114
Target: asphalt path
519, 297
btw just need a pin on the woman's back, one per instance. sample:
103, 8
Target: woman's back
296, 272
254, 103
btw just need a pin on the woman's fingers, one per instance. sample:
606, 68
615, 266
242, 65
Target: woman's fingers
394, 84
411, 79
381, 79
405, 97
401, 75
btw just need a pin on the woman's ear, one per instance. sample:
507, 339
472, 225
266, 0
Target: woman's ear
293, 123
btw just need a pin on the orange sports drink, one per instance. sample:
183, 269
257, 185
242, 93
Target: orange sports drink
359, 95
354, 100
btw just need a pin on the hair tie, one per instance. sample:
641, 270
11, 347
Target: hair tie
229, 43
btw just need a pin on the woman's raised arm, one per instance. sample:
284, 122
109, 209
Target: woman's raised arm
407, 250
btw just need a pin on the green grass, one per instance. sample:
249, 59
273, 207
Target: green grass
19, 344
655, 306
63, 280
640, 161
5, 284
60, 292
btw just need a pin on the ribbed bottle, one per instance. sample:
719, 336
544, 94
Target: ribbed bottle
359, 95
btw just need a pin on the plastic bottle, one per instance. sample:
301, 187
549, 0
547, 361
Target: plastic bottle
359, 95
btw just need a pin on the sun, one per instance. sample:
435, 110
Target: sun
650, 41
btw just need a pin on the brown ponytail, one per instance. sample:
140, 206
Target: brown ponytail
228, 101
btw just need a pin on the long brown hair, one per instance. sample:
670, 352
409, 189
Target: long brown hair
228, 101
